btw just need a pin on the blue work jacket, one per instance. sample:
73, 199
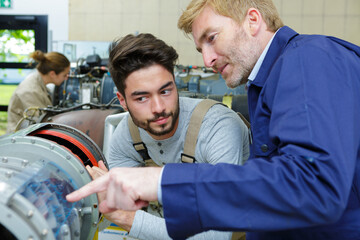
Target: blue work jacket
302, 180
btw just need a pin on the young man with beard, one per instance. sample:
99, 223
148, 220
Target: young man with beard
142, 69
302, 178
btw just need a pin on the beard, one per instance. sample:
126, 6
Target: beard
244, 53
165, 128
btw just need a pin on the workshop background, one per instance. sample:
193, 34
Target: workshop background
45, 159
105, 20
79, 28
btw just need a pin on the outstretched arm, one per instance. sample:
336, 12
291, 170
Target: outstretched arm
127, 188
123, 219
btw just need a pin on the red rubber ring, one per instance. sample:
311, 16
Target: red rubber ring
72, 140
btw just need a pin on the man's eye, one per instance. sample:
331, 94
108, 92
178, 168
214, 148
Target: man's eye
166, 92
141, 99
211, 38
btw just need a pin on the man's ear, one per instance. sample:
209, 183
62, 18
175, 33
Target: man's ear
254, 20
122, 100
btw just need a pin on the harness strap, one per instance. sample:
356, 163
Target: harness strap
244, 120
138, 143
197, 116
238, 236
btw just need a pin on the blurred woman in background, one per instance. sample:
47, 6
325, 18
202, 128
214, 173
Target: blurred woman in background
52, 67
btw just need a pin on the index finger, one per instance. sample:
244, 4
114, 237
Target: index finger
95, 186
102, 166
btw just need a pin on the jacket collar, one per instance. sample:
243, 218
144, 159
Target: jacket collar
281, 39
40, 81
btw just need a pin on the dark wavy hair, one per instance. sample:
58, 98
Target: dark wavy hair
131, 53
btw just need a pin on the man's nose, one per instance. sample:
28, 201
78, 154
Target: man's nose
209, 58
157, 105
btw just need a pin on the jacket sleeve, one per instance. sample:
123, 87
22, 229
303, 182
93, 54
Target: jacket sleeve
310, 112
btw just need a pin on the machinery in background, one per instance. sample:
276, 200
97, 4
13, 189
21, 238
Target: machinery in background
83, 101
89, 96
40, 165
201, 82
88, 82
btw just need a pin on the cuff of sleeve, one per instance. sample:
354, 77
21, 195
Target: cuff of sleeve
137, 224
159, 186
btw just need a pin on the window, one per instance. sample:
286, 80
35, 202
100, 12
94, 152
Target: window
19, 36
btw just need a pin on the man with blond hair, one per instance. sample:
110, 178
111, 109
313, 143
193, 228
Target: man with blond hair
302, 178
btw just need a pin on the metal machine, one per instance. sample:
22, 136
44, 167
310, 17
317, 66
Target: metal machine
88, 82
39, 166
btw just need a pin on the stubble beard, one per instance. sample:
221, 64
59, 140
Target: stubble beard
146, 124
243, 54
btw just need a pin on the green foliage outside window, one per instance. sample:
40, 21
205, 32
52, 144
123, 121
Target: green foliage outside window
16, 45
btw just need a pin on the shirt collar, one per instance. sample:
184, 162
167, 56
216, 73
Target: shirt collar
257, 66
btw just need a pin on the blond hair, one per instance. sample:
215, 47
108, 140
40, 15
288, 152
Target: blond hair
235, 9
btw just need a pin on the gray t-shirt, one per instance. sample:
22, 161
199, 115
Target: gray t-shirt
223, 137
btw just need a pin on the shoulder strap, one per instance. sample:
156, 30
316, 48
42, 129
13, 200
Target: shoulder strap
244, 119
197, 116
139, 144
238, 236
